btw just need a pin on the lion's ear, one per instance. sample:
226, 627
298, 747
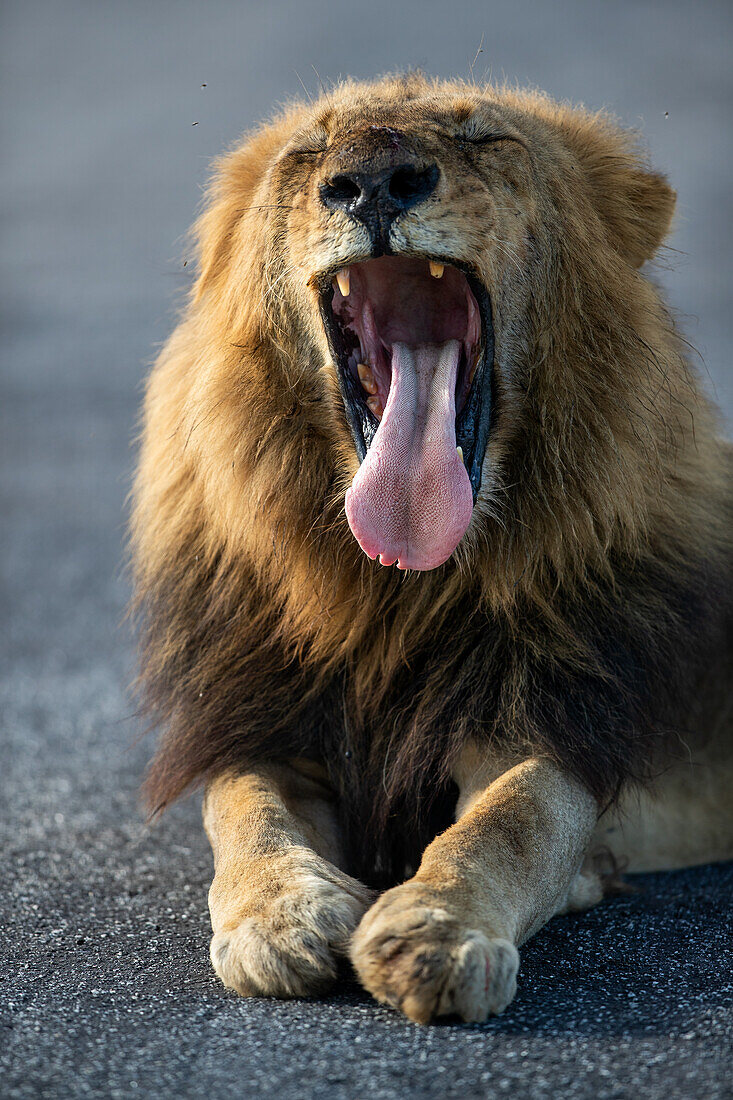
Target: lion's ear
636, 205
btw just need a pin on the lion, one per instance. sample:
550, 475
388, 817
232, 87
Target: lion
432, 544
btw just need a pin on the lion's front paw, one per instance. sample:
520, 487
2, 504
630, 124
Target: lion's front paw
287, 946
413, 953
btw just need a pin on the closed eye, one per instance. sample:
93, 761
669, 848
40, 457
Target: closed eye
305, 152
487, 139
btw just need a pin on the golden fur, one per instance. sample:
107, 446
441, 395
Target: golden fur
591, 590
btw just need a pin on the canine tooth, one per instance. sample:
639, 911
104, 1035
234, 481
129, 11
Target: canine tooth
436, 270
366, 377
460, 453
343, 278
376, 406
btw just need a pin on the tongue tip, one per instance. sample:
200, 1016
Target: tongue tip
417, 550
422, 562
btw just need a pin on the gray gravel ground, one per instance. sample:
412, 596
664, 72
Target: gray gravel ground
105, 987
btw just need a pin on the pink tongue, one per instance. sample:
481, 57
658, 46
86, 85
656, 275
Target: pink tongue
411, 499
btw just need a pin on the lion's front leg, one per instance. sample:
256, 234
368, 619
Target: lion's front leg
281, 909
446, 942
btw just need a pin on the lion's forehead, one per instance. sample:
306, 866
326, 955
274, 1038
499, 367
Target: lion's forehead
402, 101
437, 114
431, 111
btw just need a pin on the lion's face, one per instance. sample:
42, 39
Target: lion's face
455, 269
404, 219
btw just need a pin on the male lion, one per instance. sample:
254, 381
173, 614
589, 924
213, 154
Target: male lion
420, 338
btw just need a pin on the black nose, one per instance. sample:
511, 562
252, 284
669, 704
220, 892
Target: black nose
377, 198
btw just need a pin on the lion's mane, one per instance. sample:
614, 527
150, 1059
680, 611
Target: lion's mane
580, 609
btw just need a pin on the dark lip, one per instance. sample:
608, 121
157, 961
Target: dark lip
473, 425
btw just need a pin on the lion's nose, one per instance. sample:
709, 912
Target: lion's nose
377, 198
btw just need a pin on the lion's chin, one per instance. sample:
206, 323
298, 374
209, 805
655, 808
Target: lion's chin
413, 341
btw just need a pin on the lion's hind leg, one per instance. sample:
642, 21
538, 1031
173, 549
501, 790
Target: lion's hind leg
683, 819
281, 909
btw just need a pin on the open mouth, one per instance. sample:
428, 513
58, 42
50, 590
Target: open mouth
412, 338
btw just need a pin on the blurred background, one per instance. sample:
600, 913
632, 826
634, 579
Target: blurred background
111, 113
